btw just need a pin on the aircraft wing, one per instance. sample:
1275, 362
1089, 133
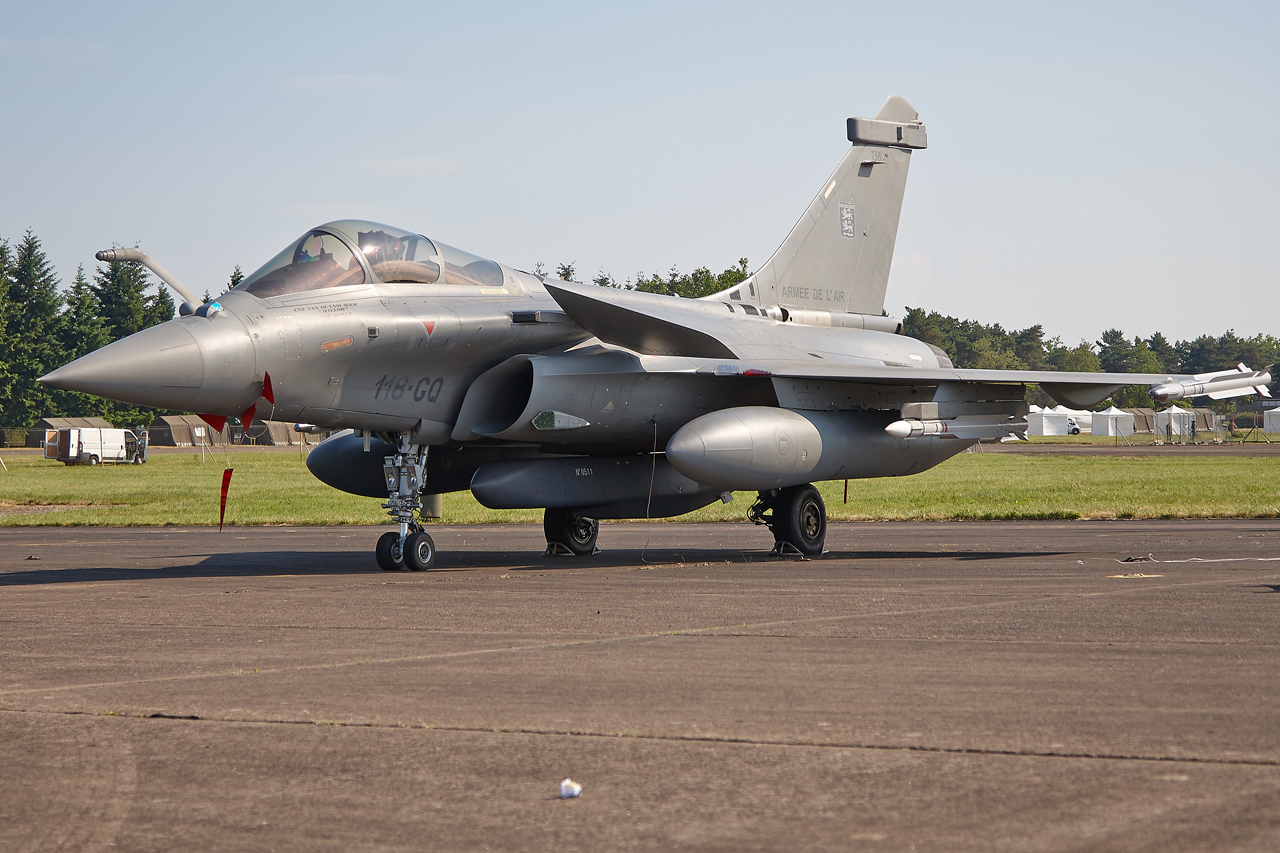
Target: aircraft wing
1076, 390
701, 330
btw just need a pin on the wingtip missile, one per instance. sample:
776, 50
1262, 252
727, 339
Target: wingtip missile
1218, 386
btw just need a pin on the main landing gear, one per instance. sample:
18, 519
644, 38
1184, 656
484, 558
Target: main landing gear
569, 533
796, 516
411, 546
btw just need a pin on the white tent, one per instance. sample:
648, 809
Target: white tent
1112, 421
1271, 420
1174, 421
1046, 422
1083, 419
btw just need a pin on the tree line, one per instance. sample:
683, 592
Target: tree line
44, 326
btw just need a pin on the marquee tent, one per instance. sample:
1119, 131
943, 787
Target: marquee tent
1174, 421
1208, 421
1144, 420
176, 431
1083, 419
35, 437
1112, 421
1046, 422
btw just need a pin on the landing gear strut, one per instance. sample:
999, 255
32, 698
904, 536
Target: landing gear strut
796, 516
568, 532
411, 547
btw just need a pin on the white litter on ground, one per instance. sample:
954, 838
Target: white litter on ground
569, 789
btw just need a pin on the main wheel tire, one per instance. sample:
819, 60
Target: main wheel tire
800, 519
419, 551
574, 532
390, 557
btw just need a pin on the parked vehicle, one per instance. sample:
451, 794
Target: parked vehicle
85, 446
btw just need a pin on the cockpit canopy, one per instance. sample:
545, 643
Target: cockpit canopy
353, 252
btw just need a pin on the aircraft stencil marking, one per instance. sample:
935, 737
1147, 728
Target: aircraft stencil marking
396, 386
593, 402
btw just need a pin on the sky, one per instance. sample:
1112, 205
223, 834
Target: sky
1090, 165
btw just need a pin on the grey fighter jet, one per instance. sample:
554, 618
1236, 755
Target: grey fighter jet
446, 371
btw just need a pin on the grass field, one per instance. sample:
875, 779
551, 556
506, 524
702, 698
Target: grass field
276, 488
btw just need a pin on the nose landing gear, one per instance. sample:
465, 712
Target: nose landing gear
796, 516
411, 547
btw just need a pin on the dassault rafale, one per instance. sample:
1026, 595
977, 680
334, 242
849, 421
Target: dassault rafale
444, 371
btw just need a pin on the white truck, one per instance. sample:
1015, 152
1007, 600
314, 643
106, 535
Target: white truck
90, 446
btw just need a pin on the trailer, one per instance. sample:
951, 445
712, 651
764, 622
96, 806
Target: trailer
90, 446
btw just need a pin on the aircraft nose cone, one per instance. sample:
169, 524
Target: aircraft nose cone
161, 366
165, 367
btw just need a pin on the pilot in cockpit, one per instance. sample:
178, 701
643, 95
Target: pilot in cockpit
311, 249
318, 261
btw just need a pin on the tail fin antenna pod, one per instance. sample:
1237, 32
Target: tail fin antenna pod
837, 256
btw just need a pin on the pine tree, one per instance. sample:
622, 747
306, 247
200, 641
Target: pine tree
31, 331
1115, 352
1166, 356
119, 288
236, 277
158, 308
6, 375
80, 331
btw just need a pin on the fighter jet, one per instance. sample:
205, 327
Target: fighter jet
446, 371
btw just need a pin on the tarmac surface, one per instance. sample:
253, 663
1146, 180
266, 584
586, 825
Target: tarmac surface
926, 686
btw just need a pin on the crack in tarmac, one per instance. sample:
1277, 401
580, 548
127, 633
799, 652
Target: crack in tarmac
708, 739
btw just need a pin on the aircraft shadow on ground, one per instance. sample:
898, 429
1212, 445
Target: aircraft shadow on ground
963, 556
261, 564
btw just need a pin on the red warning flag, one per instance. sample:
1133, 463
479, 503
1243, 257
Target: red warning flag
226, 484
267, 391
246, 421
215, 421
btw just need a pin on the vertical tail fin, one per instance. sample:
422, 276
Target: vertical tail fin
836, 259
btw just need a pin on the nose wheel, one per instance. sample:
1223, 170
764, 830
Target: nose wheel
796, 516
410, 547
389, 552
